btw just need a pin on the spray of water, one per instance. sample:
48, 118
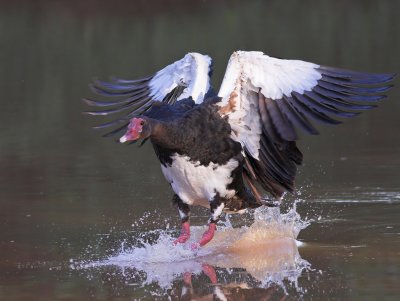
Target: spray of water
267, 249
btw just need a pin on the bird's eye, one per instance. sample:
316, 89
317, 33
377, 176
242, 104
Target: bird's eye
142, 122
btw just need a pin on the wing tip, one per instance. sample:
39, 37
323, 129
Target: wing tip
363, 78
89, 102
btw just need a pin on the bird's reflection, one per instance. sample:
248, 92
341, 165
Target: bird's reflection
263, 272
222, 290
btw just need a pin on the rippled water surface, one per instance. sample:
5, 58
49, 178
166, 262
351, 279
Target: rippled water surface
83, 218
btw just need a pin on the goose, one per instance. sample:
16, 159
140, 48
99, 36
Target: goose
235, 149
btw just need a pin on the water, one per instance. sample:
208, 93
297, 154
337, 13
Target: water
266, 250
82, 218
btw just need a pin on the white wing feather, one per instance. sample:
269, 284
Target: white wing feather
250, 73
191, 71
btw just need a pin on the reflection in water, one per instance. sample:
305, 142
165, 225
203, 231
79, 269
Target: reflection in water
376, 195
263, 255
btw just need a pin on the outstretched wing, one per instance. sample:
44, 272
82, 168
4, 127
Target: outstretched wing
125, 99
266, 100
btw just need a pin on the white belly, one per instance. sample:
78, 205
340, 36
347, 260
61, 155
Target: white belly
196, 184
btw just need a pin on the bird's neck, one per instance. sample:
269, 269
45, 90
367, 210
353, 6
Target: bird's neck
167, 134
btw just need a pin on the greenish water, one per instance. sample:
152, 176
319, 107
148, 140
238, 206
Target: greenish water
70, 199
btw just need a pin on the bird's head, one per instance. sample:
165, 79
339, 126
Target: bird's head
138, 128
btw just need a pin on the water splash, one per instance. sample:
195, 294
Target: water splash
267, 249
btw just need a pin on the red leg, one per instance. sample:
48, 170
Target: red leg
185, 234
216, 208
207, 236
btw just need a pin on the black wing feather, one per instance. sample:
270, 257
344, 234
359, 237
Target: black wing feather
338, 93
132, 98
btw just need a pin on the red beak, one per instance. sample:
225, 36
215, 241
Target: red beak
133, 132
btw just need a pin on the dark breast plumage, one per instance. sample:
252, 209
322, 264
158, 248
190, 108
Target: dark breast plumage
198, 157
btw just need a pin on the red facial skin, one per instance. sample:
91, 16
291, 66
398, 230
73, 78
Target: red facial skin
134, 129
